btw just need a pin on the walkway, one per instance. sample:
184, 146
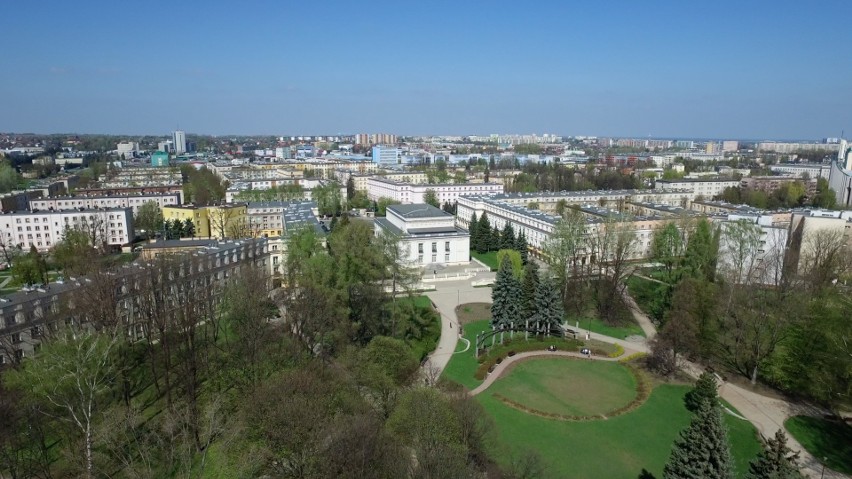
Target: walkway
446, 297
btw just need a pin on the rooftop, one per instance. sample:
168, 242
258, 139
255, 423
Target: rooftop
418, 211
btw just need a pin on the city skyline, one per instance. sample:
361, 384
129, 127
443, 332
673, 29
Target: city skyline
768, 71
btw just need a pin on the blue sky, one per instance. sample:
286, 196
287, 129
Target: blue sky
720, 69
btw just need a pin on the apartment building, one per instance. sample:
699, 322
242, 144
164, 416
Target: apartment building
43, 229
811, 170
408, 193
705, 188
279, 218
217, 221
203, 267
134, 202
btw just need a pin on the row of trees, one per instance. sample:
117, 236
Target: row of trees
703, 449
789, 195
484, 238
520, 298
591, 260
558, 177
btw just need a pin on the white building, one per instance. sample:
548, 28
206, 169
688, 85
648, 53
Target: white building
179, 139
133, 202
408, 193
43, 229
813, 170
707, 188
428, 236
128, 149
763, 265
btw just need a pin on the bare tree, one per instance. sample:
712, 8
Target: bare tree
614, 242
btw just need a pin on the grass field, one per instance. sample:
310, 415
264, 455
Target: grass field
572, 387
619, 447
489, 259
462, 366
824, 439
470, 312
598, 326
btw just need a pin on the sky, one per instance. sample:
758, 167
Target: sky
745, 69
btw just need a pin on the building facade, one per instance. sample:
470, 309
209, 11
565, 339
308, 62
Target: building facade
408, 193
43, 229
133, 202
428, 236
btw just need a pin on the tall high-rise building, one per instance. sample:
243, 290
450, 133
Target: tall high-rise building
179, 138
730, 145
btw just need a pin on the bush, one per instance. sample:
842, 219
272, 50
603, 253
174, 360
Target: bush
510, 353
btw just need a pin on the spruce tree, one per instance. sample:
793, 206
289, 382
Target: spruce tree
775, 461
548, 304
473, 229
494, 243
701, 451
705, 389
528, 289
522, 247
505, 296
483, 234
507, 237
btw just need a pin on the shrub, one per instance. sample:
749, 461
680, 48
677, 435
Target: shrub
510, 353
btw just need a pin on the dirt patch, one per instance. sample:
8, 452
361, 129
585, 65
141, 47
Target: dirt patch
470, 312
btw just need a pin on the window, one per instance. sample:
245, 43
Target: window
434, 247
419, 248
434, 258
447, 246
420, 259
447, 258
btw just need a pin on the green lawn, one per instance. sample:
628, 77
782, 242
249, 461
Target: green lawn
619, 447
598, 326
462, 366
489, 259
824, 439
572, 387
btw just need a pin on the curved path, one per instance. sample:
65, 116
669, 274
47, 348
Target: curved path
501, 368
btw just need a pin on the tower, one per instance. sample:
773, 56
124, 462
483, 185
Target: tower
179, 138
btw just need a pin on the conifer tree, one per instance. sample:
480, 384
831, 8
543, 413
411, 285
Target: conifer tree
494, 243
548, 304
701, 451
522, 247
505, 296
775, 461
483, 234
528, 289
705, 389
507, 237
473, 229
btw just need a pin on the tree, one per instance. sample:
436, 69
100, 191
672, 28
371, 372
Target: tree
473, 229
72, 373
350, 188
614, 242
328, 198
431, 198
701, 450
507, 237
148, 219
705, 390
549, 313
483, 233
741, 241
30, 268
504, 296
529, 286
382, 205
188, 230
522, 247
667, 248
9, 177
701, 251
775, 461
384, 367
825, 197
494, 239
564, 252
514, 260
